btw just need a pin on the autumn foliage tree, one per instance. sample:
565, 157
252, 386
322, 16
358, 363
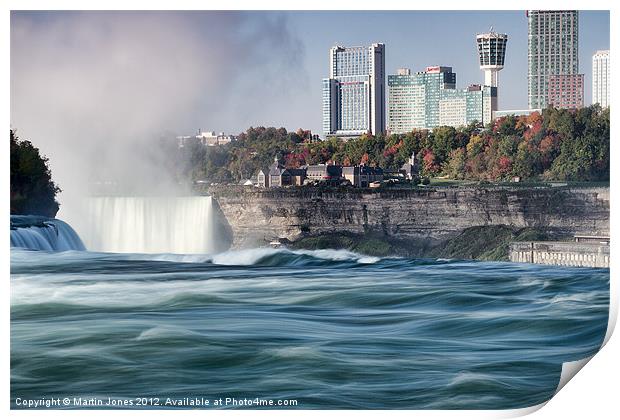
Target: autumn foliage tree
556, 144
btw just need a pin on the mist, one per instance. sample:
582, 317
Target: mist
95, 91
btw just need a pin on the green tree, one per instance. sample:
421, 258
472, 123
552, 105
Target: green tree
455, 165
444, 141
32, 188
526, 163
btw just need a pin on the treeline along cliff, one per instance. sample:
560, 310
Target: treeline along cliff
558, 144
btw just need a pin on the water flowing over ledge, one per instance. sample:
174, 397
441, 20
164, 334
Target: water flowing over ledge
43, 234
179, 225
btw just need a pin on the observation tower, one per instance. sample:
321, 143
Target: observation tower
491, 53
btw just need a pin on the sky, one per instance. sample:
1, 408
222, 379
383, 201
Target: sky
268, 65
92, 89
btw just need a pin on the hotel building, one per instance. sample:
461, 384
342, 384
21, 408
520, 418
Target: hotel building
429, 99
354, 93
459, 107
565, 91
553, 59
600, 78
413, 99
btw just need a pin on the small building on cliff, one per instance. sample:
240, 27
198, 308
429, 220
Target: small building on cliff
324, 173
262, 178
298, 175
210, 138
279, 176
362, 176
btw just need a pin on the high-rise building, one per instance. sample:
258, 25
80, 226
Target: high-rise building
491, 55
565, 91
429, 99
553, 44
413, 99
600, 78
354, 93
459, 107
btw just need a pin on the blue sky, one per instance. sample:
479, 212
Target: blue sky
226, 71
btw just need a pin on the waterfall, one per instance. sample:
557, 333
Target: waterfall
43, 234
180, 225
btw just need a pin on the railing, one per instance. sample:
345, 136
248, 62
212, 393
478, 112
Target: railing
572, 254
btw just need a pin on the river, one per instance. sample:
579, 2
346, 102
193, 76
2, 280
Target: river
327, 329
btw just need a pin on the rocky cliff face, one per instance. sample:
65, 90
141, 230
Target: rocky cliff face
257, 216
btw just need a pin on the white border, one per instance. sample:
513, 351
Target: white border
592, 394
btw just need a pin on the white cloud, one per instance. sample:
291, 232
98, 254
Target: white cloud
95, 89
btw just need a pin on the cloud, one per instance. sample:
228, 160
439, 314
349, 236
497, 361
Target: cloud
94, 90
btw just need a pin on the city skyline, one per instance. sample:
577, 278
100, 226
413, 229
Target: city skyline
456, 47
285, 49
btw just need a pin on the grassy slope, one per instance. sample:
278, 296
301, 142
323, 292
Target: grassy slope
363, 244
488, 243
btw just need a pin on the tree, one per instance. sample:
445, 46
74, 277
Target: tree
32, 188
455, 166
444, 141
430, 167
475, 146
560, 144
526, 163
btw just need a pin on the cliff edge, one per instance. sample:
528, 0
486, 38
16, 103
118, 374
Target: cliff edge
421, 218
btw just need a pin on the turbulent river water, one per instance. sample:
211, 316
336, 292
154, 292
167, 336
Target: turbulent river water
329, 329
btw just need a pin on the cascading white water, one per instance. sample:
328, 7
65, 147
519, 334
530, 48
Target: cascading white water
180, 225
43, 234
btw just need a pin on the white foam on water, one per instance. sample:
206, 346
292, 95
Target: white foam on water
295, 352
338, 255
468, 377
368, 260
585, 297
164, 332
530, 281
68, 289
182, 258
244, 256
253, 256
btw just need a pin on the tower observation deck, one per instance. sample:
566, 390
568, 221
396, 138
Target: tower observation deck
491, 53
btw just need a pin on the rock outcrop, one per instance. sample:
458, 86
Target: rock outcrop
257, 216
